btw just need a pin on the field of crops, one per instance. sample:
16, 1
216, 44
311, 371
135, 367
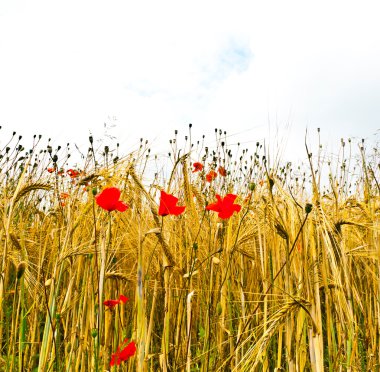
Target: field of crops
225, 260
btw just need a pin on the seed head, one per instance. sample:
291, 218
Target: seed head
21, 267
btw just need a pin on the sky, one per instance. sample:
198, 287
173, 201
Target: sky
259, 70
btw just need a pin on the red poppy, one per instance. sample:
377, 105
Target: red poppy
64, 195
197, 167
112, 303
222, 171
51, 170
168, 205
210, 176
224, 206
124, 354
72, 173
108, 199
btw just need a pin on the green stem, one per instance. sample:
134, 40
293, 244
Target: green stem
103, 263
140, 307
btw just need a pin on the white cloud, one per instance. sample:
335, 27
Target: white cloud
157, 66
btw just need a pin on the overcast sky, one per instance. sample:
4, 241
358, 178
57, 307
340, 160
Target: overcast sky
251, 68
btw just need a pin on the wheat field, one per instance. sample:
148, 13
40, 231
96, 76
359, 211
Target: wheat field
290, 282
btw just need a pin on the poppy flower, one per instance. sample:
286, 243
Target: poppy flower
168, 205
108, 199
64, 195
222, 171
60, 172
123, 354
197, 167
224, 206
51, 170
112, 303
210, 176
72, 173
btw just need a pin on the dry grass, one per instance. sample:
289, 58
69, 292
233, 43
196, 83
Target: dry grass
289, 283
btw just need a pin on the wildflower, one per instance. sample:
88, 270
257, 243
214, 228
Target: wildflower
197, 167
222, 171
63, 196
72, 173
108, 199
210, 176
51, 170
168, 205
124, 354
60, 172
224, 206
112, 303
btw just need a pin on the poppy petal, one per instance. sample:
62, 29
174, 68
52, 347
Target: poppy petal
230, 197
111, 303
121, 206
108, 199
123, 299
213, 207
128, 351
225, 207
124, 354
168, 205
177, 210
226, 213
197, 167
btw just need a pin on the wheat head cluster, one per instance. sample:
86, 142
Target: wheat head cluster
211, 257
